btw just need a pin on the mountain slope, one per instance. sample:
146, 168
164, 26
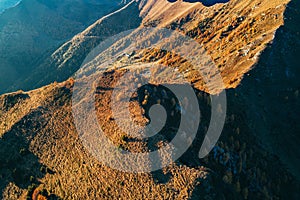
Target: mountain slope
272, 91
234, 34
34, 28
49, 70
5, 4
238, 30
55, 162
42, 155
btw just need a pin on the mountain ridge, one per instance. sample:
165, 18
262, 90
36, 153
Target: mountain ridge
214, 31
241, 166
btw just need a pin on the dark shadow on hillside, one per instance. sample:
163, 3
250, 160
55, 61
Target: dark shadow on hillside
204, 2
271, 92
149, 95
160, 177
17, 164
269, 103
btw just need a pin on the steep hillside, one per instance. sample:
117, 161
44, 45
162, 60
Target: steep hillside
66, 60
272, 91
257, 156
5, 4
31, 30
41, 154
234, 34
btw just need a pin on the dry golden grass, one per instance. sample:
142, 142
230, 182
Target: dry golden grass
234, 43
77, 175
233, 34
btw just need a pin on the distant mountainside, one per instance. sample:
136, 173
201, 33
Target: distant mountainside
5, 4
64, 62
31, 30
254, 43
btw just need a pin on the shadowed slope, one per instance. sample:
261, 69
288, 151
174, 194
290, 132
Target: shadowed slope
272, 92
33, 29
